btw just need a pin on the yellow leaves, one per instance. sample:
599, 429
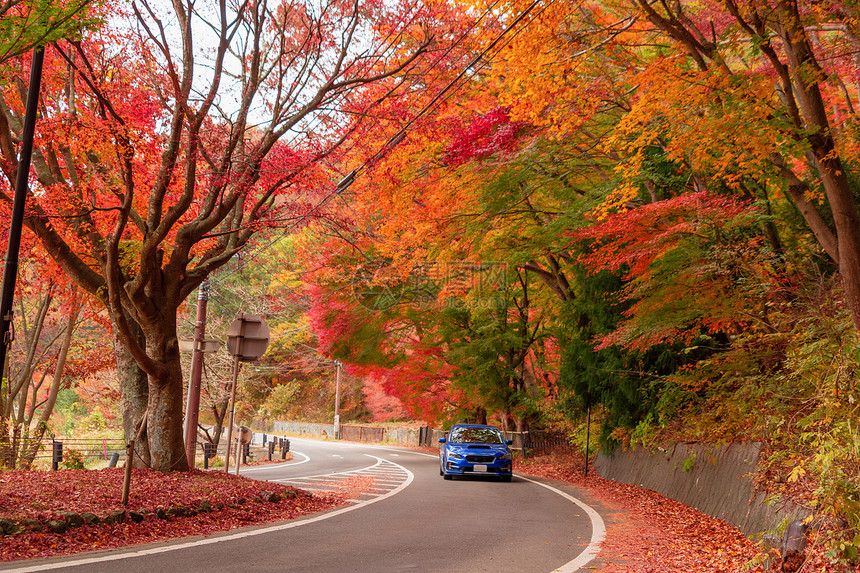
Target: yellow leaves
796, 473
813, 194
615, 201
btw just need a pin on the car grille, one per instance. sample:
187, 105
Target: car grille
480, 459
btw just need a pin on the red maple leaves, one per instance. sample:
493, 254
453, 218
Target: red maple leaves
234, 501
486, 135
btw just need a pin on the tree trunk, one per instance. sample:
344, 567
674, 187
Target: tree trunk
220, 412
801, 61
848, 235
480, 416
134, 392
522, 423
164, 409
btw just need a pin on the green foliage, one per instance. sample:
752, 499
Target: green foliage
73, 460
644, 432
818, 433
282, 400
25, 24
68, 410
689, 463
66, 398
94, 422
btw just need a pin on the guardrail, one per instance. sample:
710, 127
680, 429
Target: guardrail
78, 453
67, 452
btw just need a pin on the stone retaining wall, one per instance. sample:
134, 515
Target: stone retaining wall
716, 480
405, 436
303, 429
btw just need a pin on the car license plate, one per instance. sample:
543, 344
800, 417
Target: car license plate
480, 468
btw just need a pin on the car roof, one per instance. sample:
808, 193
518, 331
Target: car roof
474, 426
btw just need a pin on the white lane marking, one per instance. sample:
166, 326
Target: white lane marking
336, 456
231, 537
277, 466
350, 472
598, 528
598, 531
385, 474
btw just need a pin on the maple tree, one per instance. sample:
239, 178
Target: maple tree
152, 173
772, 80
672, 173
25, 406
47, 358
27, 24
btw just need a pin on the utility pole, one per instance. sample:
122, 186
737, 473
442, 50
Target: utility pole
10, 270
337, 404
587, 438
192, 410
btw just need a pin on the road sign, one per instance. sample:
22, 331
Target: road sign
207, 346
248, 337
245, 435
247, 340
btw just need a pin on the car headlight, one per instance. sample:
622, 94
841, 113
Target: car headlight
506, 456
455, 456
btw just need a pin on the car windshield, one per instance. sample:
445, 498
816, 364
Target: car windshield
462, 435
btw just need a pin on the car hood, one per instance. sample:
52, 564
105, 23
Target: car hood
478, 448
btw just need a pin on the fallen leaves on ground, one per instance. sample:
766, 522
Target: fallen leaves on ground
648, 533
235, 502
651, 533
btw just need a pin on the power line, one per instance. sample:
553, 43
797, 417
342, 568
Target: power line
395, 139
401, 133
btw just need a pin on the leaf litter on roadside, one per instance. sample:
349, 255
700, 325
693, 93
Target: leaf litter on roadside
212, 501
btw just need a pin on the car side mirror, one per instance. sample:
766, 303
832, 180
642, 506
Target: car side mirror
441, 440
509, 442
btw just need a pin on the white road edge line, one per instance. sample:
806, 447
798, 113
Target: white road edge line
210, 540
598, 531
598, 528
276, 466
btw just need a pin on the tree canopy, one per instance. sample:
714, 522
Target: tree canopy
518, 212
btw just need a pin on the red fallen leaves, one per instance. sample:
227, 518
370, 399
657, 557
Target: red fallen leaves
44, 495
353, 486
649, 533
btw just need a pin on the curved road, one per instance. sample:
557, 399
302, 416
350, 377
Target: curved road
405, 518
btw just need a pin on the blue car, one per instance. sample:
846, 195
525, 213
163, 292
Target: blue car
475, 449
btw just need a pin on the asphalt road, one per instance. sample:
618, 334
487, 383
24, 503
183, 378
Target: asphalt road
410, 520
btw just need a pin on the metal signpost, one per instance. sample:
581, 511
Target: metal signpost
247, 340
337, 404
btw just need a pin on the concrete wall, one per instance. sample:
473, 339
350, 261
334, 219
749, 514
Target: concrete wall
401, 435
404, 436
716, 480
303, 429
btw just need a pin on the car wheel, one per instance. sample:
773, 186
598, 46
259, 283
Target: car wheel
441, 473
506, 478
447, 476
